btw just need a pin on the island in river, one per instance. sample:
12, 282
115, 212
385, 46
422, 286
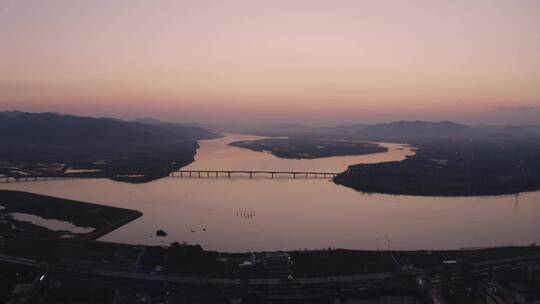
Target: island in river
309, 148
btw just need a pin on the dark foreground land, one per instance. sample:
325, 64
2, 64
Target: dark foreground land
97, 219
38, 268
59, 271
454, 167
309, 148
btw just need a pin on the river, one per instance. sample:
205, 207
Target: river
242, 214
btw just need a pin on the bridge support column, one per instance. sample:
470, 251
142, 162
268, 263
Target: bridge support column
217, 174
207, 173
306, 175
199, 174
229, 174
189, 173
250, 174
272, 174
294, 175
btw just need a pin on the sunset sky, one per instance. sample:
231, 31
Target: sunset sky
315, 62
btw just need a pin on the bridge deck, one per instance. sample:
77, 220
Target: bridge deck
190, 173
251, 173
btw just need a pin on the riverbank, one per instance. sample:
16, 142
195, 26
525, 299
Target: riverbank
192, 261
454, 167
130, 167
111, 272
30, 215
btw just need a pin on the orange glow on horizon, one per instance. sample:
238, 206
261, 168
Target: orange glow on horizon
250, 61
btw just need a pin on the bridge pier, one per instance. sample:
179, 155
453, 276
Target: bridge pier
229, 173
250, 174
217, 173
272, 174
294, 175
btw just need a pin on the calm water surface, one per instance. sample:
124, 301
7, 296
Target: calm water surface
242, 214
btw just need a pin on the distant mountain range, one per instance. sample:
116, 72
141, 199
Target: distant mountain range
52, 128
277, 129
151, 148
56, 129
182, 130
406, 130
510, 131
398, 131
52, 137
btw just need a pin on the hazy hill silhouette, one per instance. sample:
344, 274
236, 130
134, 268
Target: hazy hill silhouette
52, 128
395, 131
406, 130
271, 130
183, 130
127, 147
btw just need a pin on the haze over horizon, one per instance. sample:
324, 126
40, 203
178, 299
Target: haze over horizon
310, 62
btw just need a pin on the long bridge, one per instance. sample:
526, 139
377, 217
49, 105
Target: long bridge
190, 173
251, 173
